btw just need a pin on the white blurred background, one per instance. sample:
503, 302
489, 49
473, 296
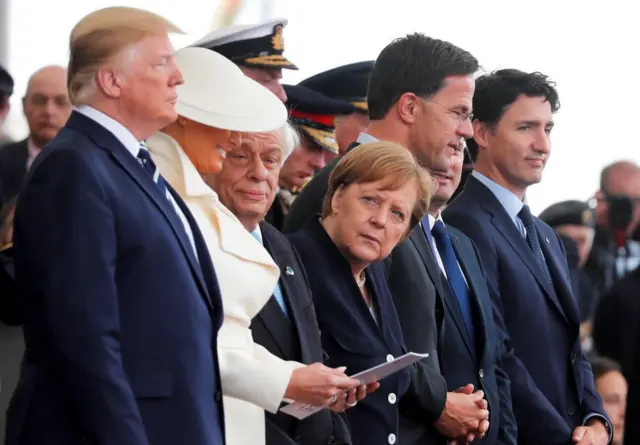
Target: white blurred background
587, 47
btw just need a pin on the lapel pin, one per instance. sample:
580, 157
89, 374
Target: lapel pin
547, 240
289, 270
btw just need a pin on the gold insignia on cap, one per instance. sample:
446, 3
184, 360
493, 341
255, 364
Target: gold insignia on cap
587, 217
278, 40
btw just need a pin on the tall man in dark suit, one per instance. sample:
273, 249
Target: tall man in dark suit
286, 326
420, 92
472, 347
121, 301
552, 388
46, 107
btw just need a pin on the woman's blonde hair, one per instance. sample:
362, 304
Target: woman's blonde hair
378, 161
101, 36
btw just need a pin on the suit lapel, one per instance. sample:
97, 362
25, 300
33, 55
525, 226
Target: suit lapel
472, 275
290, 279
563, 286
505, 226
443, 288
419, 240
105, 139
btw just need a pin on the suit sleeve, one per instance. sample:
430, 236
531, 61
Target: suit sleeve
538, 420
66, 253
507, 426
427, 393
592, 407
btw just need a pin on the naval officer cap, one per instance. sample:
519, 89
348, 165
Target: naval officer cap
6, 82
314, 114
259, 45
347, 82
575, 213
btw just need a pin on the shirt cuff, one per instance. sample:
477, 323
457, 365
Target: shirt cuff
607, 425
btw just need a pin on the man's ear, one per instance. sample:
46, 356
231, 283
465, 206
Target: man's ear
409, 108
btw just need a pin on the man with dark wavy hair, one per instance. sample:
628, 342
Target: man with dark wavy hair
552, 388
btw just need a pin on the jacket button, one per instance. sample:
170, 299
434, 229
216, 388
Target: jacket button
392, 439
392, 398
574, 357
481, 373
571, 411
218, 396
389, 358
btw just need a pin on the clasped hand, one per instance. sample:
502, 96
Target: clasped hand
465, 416
320, 385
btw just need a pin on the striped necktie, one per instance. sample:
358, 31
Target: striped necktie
145, 159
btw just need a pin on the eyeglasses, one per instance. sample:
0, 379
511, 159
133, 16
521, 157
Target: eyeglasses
459, 115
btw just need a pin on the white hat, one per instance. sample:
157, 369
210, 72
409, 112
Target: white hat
216, 93
260, 45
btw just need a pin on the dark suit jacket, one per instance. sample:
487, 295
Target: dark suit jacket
295, 339
421, 313
9, 302
350, 335
275, 216
480, 366
13, 167
120, 318
552, 386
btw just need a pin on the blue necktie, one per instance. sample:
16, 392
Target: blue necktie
534, 241
277, 292
145, 159
454, 276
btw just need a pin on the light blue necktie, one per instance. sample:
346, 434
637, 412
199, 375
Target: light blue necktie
277, 292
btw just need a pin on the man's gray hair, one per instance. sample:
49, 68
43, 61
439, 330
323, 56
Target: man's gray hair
290, 139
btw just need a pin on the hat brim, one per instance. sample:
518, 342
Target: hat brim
243, 105
270, 61
325, 139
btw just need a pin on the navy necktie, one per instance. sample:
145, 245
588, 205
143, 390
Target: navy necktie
534, 241
145, 159
454, 275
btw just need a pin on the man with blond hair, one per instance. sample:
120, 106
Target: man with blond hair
121, 301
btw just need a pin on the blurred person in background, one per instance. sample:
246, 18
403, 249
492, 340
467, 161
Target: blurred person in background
46, 107
9, 307
314, 115
612, 387
257, 49
6, 90
616, 250
376, 194
616, 320
348, 83
212, 107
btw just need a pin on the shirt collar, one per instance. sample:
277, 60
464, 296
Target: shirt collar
257, 234
121, 132
433, 219
511, 203
365, 138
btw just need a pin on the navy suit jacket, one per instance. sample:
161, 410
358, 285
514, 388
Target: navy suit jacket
481, 366
350, 335
552, 386
120, 318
